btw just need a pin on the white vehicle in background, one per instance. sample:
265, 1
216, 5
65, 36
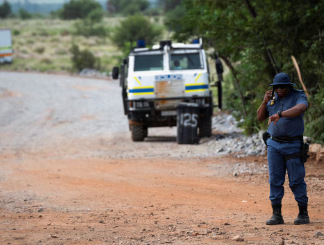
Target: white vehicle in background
6, 51
155, 81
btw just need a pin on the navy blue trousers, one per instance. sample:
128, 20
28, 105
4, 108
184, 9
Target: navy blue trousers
277, 171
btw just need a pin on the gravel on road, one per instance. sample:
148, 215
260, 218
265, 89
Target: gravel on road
70, 114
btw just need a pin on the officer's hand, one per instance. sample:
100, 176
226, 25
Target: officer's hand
274, 119
267, 96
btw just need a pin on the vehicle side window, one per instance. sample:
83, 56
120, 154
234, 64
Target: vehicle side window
148, 62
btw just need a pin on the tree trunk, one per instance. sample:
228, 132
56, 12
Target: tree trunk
269, 53
229, 64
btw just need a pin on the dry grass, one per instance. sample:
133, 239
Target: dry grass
43, 45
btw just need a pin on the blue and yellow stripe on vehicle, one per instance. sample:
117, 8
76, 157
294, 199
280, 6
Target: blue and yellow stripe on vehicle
141, 90
196, 87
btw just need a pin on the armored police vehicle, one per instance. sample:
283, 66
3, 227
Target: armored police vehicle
155, 81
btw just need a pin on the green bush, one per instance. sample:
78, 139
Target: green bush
24, 15
40, 50
83, 59
87, 28
136, 28
127, 7
46, 60
79, 9
16, 32
314, 125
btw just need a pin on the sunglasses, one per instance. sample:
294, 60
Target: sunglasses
282, 86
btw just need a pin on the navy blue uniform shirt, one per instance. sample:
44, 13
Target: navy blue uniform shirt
287, 126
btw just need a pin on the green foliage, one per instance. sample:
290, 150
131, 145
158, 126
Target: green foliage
315, 116
56, 14
40, 50
256, 39
79, 9
5, 10
16, 32
127, 7
83, 59
135, 28
95, 15
90, 26
24, 15
87, 28
169, 5
47, 61
153, 12
172, 17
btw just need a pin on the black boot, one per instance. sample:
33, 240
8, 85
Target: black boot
276, 218
303, 217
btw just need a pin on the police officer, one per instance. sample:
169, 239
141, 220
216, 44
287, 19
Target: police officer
286, 127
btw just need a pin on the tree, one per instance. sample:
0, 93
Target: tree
79, 9
91, 25
5, 10
135, 28
127, 7
83, 59
256, 40
169, 5
24, 15
95, 15
172, 17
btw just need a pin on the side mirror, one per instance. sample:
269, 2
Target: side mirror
115, 72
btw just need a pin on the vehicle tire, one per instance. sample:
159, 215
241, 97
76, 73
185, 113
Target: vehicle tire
205, 127
115, 72
138, 133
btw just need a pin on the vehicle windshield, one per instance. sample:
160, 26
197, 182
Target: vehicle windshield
186, 61
148, 62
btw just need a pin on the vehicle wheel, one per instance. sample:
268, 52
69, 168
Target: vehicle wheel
205, 128
138, 133
115, 72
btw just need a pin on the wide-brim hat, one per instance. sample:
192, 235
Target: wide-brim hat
281, 78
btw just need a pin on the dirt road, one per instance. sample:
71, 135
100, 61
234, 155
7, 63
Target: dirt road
69, 174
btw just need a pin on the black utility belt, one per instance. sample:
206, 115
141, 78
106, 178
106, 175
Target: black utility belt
285, 139
304, 146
